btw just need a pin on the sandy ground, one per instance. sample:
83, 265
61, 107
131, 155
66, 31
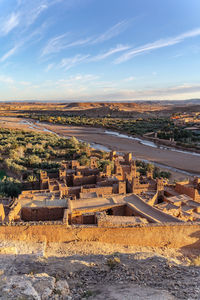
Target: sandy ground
182, 161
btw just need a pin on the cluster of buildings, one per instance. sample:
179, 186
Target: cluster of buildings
182, 200
117, 196
185, 118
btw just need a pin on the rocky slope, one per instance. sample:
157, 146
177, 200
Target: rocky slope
93, 271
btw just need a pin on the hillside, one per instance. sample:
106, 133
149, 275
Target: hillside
78, 271
122, 109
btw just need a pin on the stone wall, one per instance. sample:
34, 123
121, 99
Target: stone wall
144, 235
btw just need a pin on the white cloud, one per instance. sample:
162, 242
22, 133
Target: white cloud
49, 67
68, 63
9, 53
185, 91
78, 79
157, 45
30, 10
111, 32
117, 49
34, 13
24, 15
33, 37
84, 77
25, 83
10, 23
131, 78
74, 88
6, 79
61, 42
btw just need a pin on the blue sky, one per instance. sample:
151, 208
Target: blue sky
99, 49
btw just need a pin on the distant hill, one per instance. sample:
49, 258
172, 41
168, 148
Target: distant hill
124, 109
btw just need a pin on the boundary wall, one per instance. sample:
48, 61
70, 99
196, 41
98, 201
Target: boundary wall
170, 235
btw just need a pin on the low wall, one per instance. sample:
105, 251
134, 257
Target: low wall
165, 235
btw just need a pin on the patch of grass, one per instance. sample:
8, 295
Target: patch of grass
32, 272
113, 262
116, 254
57, 292
88, 294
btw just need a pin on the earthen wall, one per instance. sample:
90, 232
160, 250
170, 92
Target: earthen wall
152, 236
42, 214
183, 189
105, 190
82, 180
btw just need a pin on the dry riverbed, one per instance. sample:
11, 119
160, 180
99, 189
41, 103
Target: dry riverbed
182, 161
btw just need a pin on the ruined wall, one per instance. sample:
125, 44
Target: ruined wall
106, 182
42, 214
14, 213
76, 219
128, 211
88, 171
89, 219
122, 188
83, 219
154, 199
106, 190
44, 184
117, 210
120, 222
141, 188
80, 180
183, 189
31, 185
152, 236
74, 191
197, 195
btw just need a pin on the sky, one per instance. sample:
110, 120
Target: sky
99, 50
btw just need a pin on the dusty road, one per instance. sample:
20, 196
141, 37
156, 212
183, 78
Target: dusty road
183, 161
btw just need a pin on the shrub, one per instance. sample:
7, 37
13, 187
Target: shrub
113, 262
